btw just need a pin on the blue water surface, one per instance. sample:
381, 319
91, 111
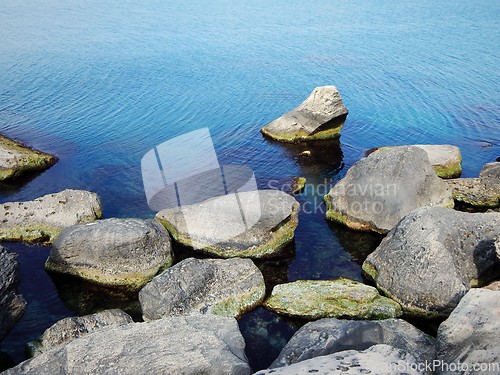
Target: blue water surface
98, 84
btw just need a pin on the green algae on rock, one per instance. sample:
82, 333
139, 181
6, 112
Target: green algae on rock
16, 159
315, 299
298, 185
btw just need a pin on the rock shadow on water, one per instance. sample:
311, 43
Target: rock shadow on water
85, 298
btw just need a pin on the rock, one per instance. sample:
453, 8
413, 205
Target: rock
328, 336
446, 160
471, 335
377, 360
74, 327
123, 253
208, 227
227, 287
433, 257
298, 185
490, 171
42, 219
313, 119
305, 153
15, 159
495, 286
203, 344
379, 190
12, 303
314, 299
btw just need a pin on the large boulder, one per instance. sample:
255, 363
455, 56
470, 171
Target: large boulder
74, 327
123, 253
208, 224
12, 303
227, 287
379, 190
471, 336
16, 159
204, 344
313, 119
314, 299
328, 336
378, 360
432, 258
446, 160
42, 219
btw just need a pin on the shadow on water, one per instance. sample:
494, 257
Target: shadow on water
10, 187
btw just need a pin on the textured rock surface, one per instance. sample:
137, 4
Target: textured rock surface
379, 190
227, 287
42, 219
273, 231
124, 253
204, 344
74, 327
471, 335
328, 336
314, 299
377, 360
15, 159
446, 160
12, 303
495, 285
434, 256
313, 119
490, 171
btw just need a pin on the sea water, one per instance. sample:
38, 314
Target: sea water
99, 84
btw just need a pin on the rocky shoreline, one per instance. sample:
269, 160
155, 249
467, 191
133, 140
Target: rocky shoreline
434, 262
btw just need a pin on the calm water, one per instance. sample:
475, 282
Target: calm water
100, 83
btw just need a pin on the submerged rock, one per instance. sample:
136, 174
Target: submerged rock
313, 119
123, 253
74, 327
379, 190
328, 336
208, 228
432, 258
314, 299
227, 287
42, 219
12, 303
201, 344
15, 159
378, 360
471, 335
298, 185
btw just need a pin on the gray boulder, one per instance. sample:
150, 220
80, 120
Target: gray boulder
123, 253
432, 258
313, 119
42, 219
204, 344
328, 336
471, 336
377, 360
74, 327
379, 190
314, 299
16, 159
490, 171
206, 230
227, 287
12, 303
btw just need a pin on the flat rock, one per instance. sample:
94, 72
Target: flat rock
227, 287
16, 159
315, 299
471, 335
12, 303
42, 219
313, 119
328, 336
204, 226
74, 327
432, 258
379, 190
123, 253
377, 360
203, 344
